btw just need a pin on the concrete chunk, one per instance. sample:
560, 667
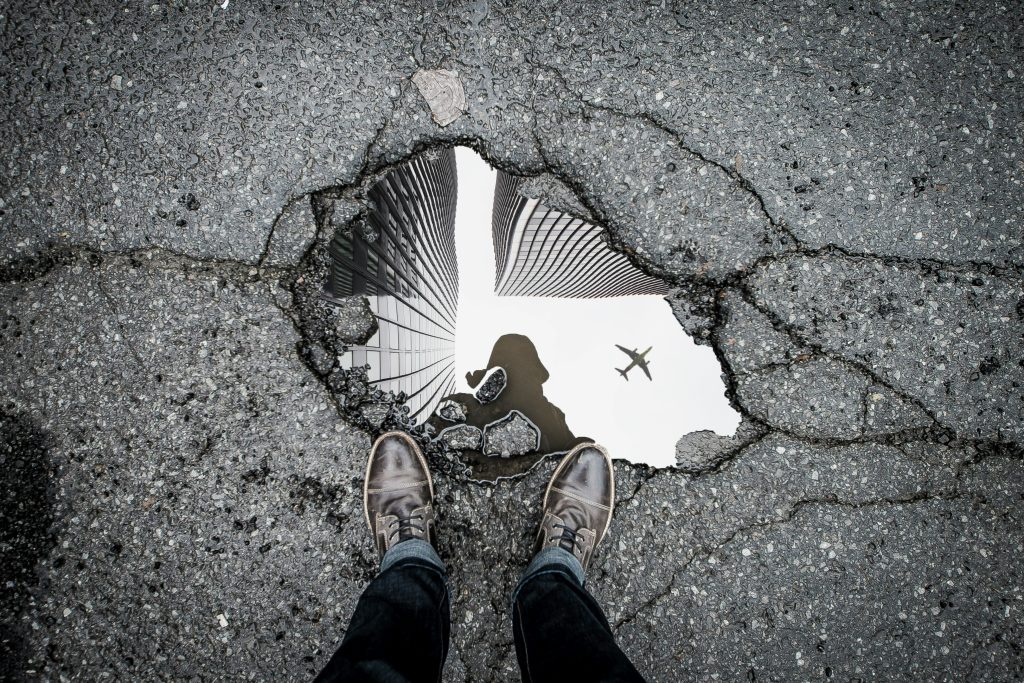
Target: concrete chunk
512, 435
443, 91
461, 437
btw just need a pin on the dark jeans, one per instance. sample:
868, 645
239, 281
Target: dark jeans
399, 632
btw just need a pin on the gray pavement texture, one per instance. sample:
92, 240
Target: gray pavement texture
512, 435
834, 192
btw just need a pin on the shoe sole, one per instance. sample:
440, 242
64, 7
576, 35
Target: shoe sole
369, 460
565, 462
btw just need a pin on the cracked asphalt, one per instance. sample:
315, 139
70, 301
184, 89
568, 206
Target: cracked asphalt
834, 192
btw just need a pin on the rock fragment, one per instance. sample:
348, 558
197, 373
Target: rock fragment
702, 451
443, 91
451, 411
352, 319
319, 359
493, 384
461, 437
374, 413
512, 435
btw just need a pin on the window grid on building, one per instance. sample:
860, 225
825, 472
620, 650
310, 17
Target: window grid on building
542, 252
409, 274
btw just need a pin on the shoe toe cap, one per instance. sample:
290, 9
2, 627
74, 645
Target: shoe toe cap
395, 461
589, 475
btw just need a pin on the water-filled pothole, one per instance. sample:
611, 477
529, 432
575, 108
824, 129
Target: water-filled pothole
508, 325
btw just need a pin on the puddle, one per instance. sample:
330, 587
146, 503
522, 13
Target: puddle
467, 281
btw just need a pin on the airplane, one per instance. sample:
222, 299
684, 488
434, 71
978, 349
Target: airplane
636, 360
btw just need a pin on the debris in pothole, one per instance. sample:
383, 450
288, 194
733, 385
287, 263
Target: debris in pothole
353, 320
374, 413
317, 357
452, 411
461, 437
443, 91
524, 376
492, 386
512, 435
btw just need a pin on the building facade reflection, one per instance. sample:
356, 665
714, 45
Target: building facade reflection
403, 261
542, 252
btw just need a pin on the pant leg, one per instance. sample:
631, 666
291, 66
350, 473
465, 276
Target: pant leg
399, 631
561, 634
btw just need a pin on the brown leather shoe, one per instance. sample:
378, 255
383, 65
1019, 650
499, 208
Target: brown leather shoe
398, 494
578, 502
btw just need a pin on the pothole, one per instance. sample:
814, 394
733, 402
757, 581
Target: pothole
509, 329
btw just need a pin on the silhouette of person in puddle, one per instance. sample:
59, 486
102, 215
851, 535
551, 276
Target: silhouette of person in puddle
524, 392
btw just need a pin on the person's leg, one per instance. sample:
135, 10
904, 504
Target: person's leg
560, 632
399, 631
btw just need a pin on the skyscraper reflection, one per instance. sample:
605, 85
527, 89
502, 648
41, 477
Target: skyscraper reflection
402, 259
539, 251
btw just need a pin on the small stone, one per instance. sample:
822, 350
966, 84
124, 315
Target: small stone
117, 82
443, 92
353, 321
374, 413
222, 620
493, 384
189, 201
452, 411
512, 435
461, 437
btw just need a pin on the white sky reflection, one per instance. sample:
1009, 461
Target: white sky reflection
639, 420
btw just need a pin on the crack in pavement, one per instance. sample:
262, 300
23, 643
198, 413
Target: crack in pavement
983, 450
733, 173
798, 247
794, 510
808, 341
743, 182
29, 268
112, 307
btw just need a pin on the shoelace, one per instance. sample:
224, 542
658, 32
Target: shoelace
405, 524
570, 535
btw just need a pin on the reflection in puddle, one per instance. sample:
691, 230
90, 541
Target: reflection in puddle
522, 391
534, 288
546, 253
577, 329
403, 260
